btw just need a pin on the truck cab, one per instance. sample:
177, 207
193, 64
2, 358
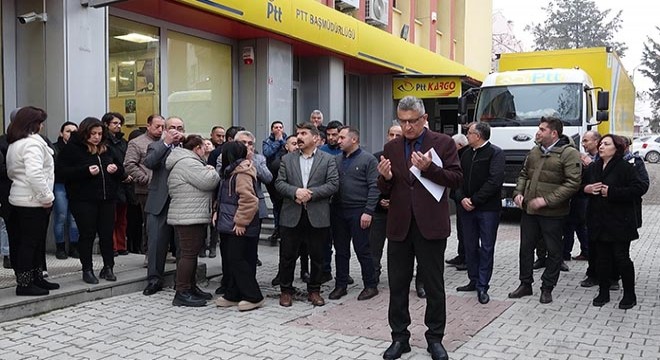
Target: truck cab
513, 103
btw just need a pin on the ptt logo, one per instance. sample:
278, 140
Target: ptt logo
406, 86
274, 11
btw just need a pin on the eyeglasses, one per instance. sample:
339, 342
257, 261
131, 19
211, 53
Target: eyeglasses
403, 122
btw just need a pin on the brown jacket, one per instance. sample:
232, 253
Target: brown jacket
408, 197
248, 202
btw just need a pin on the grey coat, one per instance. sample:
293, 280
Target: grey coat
323, 182
191, 186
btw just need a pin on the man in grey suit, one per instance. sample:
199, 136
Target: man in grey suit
306, 179
159, 234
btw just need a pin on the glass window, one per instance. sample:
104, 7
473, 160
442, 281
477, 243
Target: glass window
199, 78
134, 75
2, 82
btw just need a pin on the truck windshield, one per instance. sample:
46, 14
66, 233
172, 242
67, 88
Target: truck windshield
524, 105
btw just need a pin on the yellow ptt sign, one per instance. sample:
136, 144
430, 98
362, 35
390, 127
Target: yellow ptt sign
425, 88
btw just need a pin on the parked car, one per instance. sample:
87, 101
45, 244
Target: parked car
648, 148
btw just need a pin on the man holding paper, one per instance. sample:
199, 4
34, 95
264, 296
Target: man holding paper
418, 224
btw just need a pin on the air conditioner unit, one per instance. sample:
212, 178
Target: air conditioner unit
345, 5
377, 12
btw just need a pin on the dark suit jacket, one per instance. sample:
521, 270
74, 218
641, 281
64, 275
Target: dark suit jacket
408, 196
323, 182
157, 153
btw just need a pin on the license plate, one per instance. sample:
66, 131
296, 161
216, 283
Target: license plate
508, 203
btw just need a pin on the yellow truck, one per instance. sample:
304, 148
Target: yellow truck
586, 88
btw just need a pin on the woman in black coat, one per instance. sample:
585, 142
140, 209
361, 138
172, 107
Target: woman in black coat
92, 174
612, 185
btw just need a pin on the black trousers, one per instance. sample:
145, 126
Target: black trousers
191, 238
430, 254
94, 217
27, 228
134, 227
242, 280
614, 260
550, 229
316, 240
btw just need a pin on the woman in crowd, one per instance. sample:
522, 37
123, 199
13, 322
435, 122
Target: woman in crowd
612, 185
31, 168
191, 184
116, 143
238, 221
61, 213
92, 174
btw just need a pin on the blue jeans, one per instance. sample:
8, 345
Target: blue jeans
479, 235
62, 217
4, 238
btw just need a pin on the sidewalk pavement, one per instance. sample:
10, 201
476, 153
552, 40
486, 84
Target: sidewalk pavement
134, 326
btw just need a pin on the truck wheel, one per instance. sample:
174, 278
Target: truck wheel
653, 157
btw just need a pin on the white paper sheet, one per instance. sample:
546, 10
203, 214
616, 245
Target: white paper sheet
433, 188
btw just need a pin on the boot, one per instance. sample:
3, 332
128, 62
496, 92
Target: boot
38, 280
73, 250
603, 295
628, 281
60, 253
25, 285
202, 252
106, 273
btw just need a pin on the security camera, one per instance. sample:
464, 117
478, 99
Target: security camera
31, 17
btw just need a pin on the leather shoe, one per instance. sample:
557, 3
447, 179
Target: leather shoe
589, 282
522, 290
316, 299
546, 296
614, 285
602, 298
276, 280
337, 293
437, 351
89, 277
350, 280
461, 267
200, 293
469, 287
396, 350
580, 257
367, 293
187, 298
563, 266
455, 261
539, 263
419, 288
152, 288
483, 297
305, 277
286, 299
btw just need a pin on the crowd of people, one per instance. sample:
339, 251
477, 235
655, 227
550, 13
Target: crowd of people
163, 191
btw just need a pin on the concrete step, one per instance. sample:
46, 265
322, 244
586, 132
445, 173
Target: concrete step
131, 277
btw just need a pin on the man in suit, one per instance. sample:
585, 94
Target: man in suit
418, 225
159, 234
306, 179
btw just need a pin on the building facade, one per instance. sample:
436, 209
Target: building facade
225, 62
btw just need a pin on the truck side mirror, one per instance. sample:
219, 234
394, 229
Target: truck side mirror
603, 100
602, 115
463, 105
